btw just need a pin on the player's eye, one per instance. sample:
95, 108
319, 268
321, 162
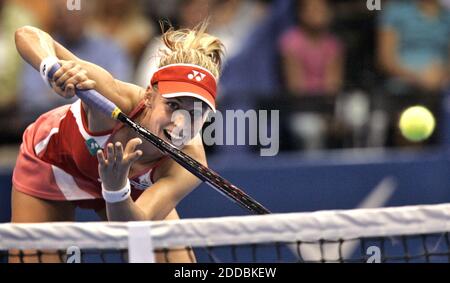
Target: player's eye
173, 106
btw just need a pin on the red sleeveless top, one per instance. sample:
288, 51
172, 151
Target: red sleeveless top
57, 158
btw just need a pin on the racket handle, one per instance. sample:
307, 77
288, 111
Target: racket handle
92, 98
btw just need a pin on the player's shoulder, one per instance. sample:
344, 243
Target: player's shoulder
131, 94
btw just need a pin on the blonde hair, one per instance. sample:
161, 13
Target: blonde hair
192, 46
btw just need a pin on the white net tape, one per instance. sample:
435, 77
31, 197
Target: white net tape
289, 227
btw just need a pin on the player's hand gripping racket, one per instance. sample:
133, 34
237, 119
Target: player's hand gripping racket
95, 100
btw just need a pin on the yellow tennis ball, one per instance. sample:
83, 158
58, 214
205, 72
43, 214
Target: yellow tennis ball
417, 123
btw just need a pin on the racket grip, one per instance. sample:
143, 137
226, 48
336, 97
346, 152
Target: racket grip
92, 98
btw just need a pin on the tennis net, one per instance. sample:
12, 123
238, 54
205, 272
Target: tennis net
396, 234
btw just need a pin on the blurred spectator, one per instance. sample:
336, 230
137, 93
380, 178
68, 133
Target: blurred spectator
446, 4
312, 64
233, 20
189, 13
125, 22
12, 16
192, 12
230, 20
157, 9
413, 53
312, 57
257, 61
42, 12
252, 72
414, 45
72, 31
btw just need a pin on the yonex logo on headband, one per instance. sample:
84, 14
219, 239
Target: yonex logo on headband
196, 75
186, 80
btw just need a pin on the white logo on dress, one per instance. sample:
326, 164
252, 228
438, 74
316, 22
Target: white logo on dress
196, 75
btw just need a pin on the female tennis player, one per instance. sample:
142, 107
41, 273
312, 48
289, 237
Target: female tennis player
74, 156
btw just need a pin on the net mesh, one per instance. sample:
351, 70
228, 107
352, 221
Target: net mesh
399, 234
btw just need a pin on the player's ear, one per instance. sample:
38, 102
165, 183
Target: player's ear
148, 102
151, 95
148, 96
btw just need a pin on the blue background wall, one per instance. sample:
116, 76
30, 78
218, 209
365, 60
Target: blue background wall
291, 183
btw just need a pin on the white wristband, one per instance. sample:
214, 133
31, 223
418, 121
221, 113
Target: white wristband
45, 67
117, 196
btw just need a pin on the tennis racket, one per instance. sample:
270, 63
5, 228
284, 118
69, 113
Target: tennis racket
95, 100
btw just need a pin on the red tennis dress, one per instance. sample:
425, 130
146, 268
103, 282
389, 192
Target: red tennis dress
57, 159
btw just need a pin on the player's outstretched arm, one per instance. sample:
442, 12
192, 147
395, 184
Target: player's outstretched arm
34, 45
